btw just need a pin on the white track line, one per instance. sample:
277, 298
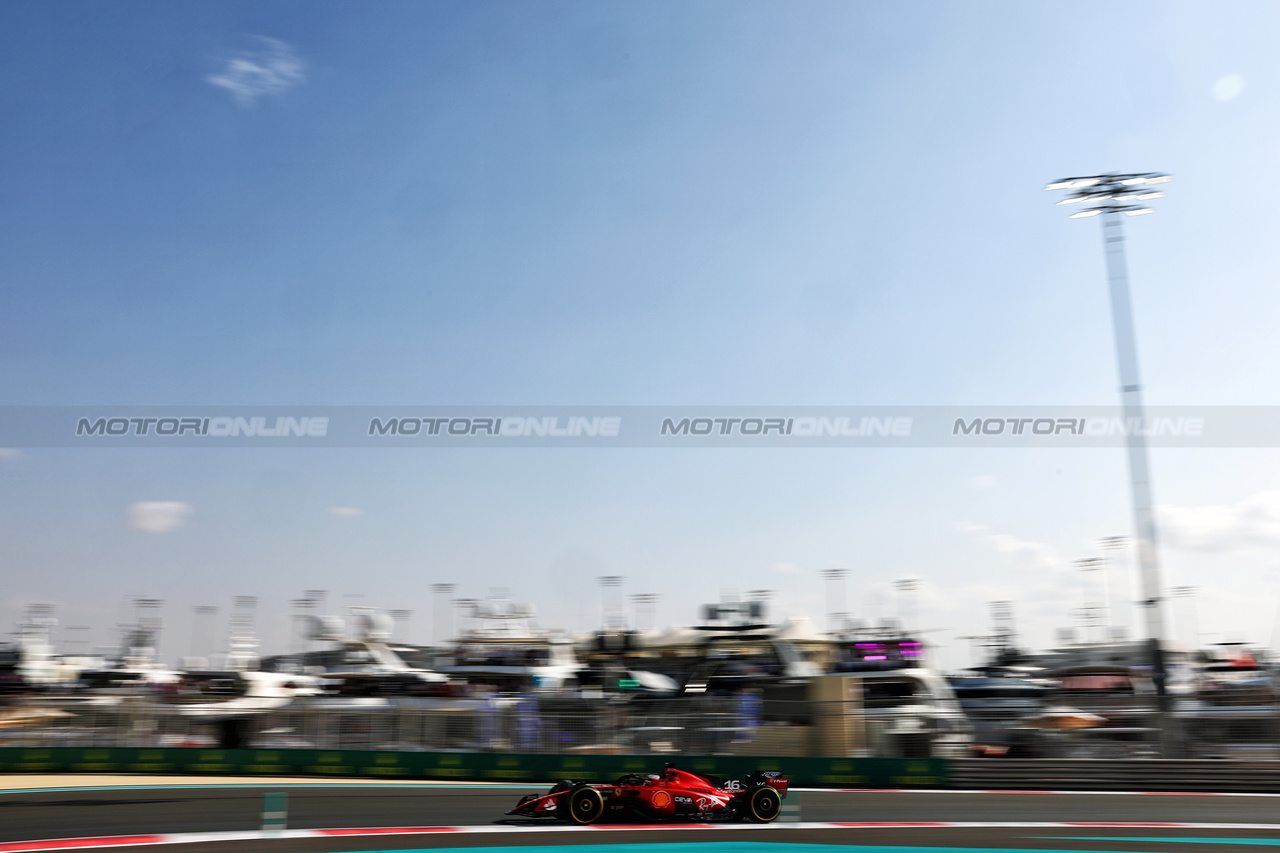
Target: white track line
1033, 791
205, 837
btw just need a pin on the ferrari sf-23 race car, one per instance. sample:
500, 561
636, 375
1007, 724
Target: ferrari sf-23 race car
676, 795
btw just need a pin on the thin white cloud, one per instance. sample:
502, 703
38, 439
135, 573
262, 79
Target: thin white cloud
1032, 555
984, 482
266, 66
158, 516
1253, 524
787, 568
1228, 87
345, 511
10, 453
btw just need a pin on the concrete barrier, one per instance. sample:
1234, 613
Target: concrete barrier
537, 769
1083, 774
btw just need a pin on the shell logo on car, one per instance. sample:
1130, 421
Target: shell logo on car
661, 800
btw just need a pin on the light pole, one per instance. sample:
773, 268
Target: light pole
244, 615
1109, 196
645, 603
399, 617
607, 582
907, 589
835, 577
297, 642
202, 610
1189, 594
441, 591
149, 626
1004, 631
77, 642
1125, 614
316, 597
467, 606
1094, 614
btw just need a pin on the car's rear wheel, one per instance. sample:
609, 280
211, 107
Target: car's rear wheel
763, 805
585, 805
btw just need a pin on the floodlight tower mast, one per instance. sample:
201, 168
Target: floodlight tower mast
1109, 196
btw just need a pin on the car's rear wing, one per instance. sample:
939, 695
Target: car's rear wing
772, 778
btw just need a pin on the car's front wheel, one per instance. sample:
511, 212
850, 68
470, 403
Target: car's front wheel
584, 805
763, 805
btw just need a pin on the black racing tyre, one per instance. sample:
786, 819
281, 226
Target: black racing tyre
763, 805
583, 805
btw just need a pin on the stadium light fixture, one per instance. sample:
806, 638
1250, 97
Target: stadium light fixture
1110, 195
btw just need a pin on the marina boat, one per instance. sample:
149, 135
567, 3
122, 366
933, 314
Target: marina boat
996, 702
360, 665
1232, 709
732, 649
507, 653
909, 709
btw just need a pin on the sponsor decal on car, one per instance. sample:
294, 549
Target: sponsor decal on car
661, 800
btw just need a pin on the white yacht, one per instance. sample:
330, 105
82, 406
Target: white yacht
1232, 709
508, 653
909, 709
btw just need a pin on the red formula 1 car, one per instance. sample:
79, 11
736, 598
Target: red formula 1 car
676, 795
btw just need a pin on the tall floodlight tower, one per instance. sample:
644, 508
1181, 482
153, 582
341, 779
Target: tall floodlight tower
611, 618
908, 606
1109, 196
837, 619
440, 633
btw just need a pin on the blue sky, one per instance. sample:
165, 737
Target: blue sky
628, 204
